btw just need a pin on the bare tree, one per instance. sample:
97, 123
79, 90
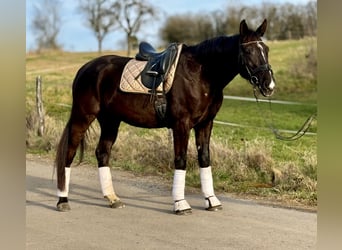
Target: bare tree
271, 13
219, 22
189, 29
130, 15
46, 24
285, 21
99, 18
310, 15
234, 17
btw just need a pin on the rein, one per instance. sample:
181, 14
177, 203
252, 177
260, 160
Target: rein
294, 137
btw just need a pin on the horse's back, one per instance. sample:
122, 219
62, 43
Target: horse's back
95, 80
98, 70
94, 67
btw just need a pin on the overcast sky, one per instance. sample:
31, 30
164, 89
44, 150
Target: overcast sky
76, 36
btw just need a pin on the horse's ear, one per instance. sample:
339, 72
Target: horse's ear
262, 28
243, 27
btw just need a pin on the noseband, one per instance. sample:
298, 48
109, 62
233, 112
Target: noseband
253, 79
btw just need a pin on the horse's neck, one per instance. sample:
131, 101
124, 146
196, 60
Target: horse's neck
219, 62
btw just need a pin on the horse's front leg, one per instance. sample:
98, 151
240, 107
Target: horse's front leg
180, 138
202, 133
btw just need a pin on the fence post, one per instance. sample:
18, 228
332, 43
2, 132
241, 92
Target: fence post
40, 110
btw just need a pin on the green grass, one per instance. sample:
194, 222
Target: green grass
246, 160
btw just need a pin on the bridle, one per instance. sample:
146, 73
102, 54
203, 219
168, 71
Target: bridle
252, 78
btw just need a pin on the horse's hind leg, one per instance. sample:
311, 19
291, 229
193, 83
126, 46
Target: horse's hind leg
109, 132
73, 134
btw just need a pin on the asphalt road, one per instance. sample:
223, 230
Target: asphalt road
147, 221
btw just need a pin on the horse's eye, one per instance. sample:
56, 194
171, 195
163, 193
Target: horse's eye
248, 50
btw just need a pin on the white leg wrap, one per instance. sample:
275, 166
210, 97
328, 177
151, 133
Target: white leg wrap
178, 185
65, 193
207, 181
180, 204
106, 181
208, 187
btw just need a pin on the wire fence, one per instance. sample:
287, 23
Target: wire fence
243, 125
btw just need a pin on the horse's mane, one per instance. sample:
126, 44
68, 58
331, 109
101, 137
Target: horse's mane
215, 47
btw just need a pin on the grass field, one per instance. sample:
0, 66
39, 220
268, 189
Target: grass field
246, 160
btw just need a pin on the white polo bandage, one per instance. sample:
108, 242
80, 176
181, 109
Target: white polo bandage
178, 185
208, 187
207, 182
65, 193
106, 181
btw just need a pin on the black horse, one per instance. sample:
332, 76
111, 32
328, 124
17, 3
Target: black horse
193, 101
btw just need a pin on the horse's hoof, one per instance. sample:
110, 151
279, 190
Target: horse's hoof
214, 208
117, 204
184, 212
63, 207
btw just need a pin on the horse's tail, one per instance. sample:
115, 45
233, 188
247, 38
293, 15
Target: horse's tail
61, 157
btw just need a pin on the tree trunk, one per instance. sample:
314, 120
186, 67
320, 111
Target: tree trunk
99, 45
129, 46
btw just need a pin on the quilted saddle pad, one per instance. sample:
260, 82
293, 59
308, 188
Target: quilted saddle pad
131, 79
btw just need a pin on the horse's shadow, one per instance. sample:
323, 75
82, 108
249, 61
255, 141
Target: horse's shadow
46, 190
44, 195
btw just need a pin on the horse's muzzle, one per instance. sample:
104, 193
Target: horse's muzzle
266, 92
267, 89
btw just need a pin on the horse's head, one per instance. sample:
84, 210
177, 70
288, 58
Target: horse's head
253, 59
